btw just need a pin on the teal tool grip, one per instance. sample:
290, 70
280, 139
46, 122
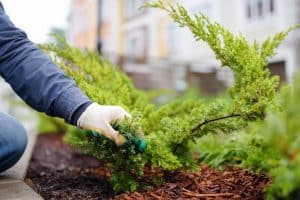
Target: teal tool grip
140, 144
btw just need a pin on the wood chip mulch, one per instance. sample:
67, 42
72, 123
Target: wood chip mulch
207, 184
59, 172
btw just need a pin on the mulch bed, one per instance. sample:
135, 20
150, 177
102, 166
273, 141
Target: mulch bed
58, 171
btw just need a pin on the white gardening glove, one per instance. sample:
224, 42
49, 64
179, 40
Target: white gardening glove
99, 118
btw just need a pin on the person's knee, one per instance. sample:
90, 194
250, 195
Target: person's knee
13, 140
20, 141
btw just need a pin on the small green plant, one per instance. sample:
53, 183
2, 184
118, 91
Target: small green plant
171, 129
270, 147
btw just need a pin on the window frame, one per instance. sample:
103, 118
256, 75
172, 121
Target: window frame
144, 31
268, 9
137, 13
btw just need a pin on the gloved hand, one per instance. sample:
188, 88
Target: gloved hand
99, 118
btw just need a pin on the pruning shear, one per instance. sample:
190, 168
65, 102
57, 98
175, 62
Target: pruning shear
140, 144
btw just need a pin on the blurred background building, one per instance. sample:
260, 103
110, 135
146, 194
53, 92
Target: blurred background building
156, 53
149, 47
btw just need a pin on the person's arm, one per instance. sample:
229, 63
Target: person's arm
33, 76
45, 87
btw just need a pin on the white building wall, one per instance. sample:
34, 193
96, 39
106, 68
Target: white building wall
188, 49
111, 18
285, 15
232, 14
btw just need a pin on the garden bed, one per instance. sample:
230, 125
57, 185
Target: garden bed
58, 171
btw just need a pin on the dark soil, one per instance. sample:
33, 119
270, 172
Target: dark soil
57, 171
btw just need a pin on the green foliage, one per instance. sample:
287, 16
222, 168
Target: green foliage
125, 161
105, 84
271, 147
48, 124
172, 128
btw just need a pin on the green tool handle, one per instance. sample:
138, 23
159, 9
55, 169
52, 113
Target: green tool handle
140, 144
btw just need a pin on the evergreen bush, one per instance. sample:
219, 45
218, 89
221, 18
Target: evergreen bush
171, 129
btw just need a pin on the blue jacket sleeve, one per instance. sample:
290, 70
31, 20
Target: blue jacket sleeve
32, 75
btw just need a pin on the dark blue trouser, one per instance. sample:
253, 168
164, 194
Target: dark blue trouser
13, 140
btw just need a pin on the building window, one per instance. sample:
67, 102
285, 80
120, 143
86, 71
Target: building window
171, 38
249, 14
260, 8
136, 44
278, 69
271, 6
257, 9
132, 7
99, 12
